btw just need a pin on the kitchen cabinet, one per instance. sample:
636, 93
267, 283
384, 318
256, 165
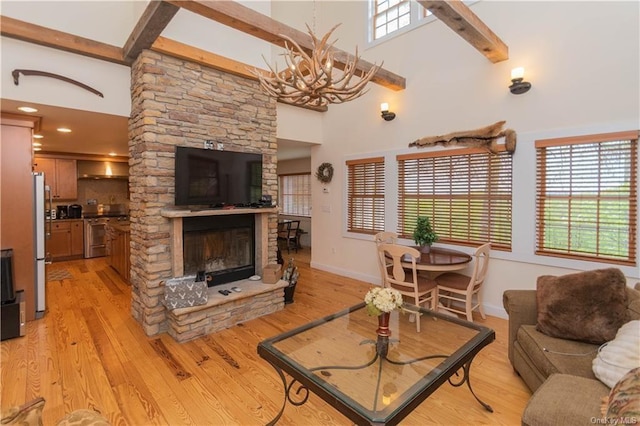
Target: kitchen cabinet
61, 175
118, 250
67, 240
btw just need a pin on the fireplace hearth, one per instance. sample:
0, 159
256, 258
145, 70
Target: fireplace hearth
221, 246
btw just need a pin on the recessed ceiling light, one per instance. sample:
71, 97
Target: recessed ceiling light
63, 130
37, 149
38, 136
27, 109
36, 144
113, 154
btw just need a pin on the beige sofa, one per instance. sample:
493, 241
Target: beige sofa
558, 371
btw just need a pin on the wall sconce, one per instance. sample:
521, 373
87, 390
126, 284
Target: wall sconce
518, 86
386, 114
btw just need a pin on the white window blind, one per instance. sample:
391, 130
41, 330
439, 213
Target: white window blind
295, 194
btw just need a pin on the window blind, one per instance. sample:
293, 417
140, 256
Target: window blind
587, 197
465, 193
295, 194
365, 193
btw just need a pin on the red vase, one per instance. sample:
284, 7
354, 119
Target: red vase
383, 324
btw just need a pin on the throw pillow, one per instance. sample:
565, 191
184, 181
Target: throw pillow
623, 405
617, 357
587, 306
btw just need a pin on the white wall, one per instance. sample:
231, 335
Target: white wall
582, 59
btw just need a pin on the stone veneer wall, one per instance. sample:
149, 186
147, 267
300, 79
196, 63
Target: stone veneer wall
176, 102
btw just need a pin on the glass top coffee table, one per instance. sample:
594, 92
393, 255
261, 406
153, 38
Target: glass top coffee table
371, 378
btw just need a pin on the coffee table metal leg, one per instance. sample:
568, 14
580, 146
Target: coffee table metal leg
287, 394
467, 378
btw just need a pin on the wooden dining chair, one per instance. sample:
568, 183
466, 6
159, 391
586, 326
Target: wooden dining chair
288, 234
456, 290
415, 288
385, 237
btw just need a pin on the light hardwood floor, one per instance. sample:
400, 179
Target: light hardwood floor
89, 352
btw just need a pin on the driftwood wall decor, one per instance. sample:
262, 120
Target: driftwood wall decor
484, 137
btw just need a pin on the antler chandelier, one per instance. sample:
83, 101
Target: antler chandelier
309, 78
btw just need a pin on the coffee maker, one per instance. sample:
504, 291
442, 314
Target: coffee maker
63, 212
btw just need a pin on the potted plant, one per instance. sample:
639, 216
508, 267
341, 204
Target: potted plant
423, 234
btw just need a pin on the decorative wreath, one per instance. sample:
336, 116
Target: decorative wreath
325, 172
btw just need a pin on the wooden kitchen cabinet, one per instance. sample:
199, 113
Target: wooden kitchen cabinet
61, 174
67, 240
118, 251
59, 244
77, 238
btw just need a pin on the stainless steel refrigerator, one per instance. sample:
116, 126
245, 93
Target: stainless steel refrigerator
41, 200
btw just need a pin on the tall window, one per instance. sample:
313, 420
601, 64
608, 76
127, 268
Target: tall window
465, 193
295, 194
587, 197
365, 192
389, 16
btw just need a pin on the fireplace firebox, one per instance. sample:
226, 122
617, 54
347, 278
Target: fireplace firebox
221, 246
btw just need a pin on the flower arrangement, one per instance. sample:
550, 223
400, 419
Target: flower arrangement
381, 300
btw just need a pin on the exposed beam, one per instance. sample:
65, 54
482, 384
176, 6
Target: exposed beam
457, 16
153, 21
43, 36
263, 27
211, 60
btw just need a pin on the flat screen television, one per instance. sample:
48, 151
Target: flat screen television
214, 178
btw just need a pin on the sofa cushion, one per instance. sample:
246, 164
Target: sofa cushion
587, 306
617, 357
550, 355
556, 402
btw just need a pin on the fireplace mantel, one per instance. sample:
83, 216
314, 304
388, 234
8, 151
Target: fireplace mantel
173, 213
261, 232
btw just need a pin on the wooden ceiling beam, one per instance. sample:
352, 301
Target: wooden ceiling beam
263, 27
153, 21
457, 16
43, 36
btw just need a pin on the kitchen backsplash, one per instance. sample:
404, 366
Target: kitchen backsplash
105, 191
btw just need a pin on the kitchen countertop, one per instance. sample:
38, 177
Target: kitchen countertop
65, 220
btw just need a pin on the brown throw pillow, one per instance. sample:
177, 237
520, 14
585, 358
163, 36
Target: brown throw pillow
587, 306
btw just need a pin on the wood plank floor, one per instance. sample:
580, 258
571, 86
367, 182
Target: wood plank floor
89, 352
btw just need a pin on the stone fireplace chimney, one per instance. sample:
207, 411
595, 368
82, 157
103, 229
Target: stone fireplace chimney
176, 102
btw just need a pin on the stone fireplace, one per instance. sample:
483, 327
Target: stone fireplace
176, 102
223, 247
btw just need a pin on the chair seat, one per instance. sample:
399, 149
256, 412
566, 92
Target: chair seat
453, 280
424, 285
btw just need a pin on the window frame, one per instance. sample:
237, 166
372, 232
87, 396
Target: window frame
366, 206
544, 248
281, 195
495, 218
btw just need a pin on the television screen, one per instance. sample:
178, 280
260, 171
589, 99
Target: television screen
217, 178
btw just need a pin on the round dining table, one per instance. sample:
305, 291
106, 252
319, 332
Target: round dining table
440, 259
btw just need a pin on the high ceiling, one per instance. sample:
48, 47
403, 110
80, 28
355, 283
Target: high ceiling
101, 134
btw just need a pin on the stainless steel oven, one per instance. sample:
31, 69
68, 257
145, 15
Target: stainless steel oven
96, 217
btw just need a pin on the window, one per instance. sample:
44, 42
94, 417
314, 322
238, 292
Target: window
389, 16
365, 192
587, 197
295, 194
465, 193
